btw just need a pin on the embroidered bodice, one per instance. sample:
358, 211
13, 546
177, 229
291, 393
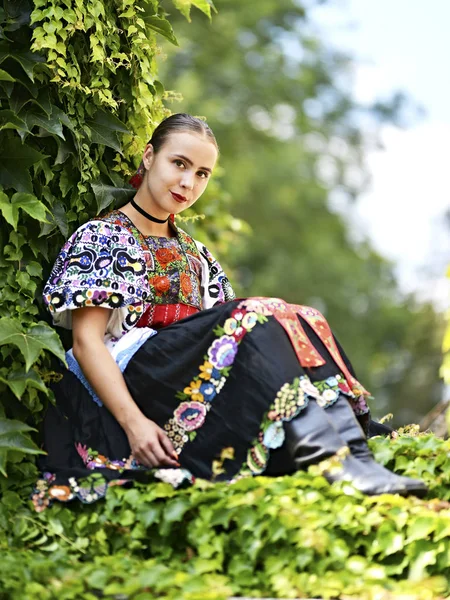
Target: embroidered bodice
107, 262
173, 265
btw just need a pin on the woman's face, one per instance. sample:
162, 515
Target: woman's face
177, 175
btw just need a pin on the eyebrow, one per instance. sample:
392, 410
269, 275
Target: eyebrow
189, 161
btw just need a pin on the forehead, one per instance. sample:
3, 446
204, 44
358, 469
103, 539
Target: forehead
195, 146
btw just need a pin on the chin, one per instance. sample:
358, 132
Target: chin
179, 207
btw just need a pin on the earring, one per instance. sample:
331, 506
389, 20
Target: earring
136, 180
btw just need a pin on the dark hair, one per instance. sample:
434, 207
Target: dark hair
177, 123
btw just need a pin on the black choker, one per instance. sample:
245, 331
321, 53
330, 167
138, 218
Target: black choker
146, 215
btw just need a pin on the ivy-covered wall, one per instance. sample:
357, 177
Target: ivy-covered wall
79, 99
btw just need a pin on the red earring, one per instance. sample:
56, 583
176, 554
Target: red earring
136, 180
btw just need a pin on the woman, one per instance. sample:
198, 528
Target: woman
170, 377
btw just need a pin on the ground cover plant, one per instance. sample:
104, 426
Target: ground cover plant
287, 537
80, 94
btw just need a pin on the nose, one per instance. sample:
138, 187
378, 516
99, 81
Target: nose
187, 180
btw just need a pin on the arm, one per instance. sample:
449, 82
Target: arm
149, 443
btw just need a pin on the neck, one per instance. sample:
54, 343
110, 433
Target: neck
145, 225
146, 214
148, 228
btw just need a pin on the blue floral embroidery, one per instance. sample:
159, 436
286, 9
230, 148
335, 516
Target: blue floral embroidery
208, 391
274, 435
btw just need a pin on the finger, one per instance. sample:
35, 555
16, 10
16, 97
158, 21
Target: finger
152, 458
170, 462
167, 446
140, 459
162, 458
146, 458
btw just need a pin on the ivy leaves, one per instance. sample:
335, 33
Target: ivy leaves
103, 129
158, 23
109, 194
25, 58
12, 438
184, 6
79, 98
26, 202
31, 341
15, 161
19, 380
293, 536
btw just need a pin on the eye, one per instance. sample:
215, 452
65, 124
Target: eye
179, 163
203, 174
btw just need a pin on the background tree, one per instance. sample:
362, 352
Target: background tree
293, 143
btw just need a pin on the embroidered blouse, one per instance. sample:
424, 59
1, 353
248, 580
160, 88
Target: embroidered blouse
107, 262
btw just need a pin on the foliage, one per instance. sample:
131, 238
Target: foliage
79, 98
290, 537
80, 95
445, 368
293, 145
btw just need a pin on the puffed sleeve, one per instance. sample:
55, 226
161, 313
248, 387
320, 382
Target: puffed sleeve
215, 285
101, 264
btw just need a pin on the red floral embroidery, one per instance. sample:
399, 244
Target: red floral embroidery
186, 284
166, 255
161, 283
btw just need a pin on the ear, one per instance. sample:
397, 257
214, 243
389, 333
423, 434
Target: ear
148, 156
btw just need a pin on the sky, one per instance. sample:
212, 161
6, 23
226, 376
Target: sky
403, 45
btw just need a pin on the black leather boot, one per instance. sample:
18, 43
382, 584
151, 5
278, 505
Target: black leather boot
310, 438
344, 421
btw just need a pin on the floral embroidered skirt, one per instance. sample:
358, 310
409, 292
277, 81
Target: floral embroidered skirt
220, 383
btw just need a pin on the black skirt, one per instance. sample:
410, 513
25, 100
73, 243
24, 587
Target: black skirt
220, 383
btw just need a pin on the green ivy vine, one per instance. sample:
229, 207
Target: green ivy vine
287, 537
79, 98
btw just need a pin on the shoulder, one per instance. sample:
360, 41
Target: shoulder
102, 264
216, 286
186, 238
112, 223
106, 232
211, 266
205, 254
90, 231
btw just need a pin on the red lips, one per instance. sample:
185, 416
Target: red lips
178, 197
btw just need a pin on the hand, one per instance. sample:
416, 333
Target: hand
150, 445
